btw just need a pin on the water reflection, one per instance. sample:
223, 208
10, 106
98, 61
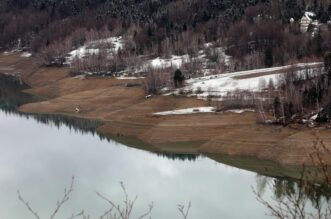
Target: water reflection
11, 97
295, 198
178, 156
39, 160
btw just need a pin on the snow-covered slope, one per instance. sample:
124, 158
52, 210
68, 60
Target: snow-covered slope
177, 61
253, 80
111, 44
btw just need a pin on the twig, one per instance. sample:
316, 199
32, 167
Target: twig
66, 196
181, 209
77, 215
27, 205
150, 208
125, 211
106, 213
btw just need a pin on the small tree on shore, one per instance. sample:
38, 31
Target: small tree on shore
327, 65
268, 57
178, 78
277, 107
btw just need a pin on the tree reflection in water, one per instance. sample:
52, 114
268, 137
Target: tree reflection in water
306, 198
12, 97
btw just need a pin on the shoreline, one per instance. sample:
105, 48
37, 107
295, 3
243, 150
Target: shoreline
127, 113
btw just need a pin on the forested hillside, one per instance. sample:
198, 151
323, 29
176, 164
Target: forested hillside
38, 23
36, 20
263, 30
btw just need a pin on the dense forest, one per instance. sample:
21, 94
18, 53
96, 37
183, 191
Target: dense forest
246, 27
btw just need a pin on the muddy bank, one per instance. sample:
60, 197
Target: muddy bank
127, 114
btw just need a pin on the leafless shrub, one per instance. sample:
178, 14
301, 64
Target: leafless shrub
320, 157
193, 68
116, 211
55, 53
94, 64
156, 79
59, 204
123, 212
235, 100
198, 90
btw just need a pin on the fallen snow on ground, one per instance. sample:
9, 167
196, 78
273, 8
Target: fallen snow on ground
187, 111
220, 84
314, 117
200, 110
80, 77
174, 61
239, 111
310, 15
177, 61
112, 45
128, 78
26, 54
22, 54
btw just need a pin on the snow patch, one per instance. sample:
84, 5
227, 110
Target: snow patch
314, 117
174, 61
128, 78
310, 15
240, 111
177, 61
112, 45
187, 111
26, 54
80, 77
200, 110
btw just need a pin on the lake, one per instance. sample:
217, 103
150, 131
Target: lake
40, 154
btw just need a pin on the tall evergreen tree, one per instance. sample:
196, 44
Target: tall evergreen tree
277, 107
268, 57
178, 78
327, 66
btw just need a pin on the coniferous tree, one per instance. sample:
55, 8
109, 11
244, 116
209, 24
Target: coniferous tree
268, 57
319, 41
277, 107
178, 78
327, 66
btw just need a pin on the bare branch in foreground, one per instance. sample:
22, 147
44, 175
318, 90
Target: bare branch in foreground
80, 214
65, 198
27, 205
150, 208
115, 211
181, 209
123, 212
59, 204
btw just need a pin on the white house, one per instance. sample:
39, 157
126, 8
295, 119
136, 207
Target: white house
307, 19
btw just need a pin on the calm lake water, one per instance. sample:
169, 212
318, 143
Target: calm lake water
39, 160
39, 156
